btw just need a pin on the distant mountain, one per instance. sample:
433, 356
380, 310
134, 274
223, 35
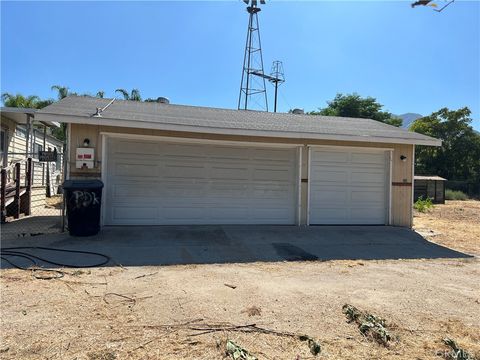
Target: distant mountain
408, 118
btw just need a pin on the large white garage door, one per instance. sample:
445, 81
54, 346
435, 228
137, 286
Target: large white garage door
348, 186
157, 183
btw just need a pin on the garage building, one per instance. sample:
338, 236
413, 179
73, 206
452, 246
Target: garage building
165, 164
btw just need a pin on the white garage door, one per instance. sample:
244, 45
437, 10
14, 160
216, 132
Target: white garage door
159, 183
348, 186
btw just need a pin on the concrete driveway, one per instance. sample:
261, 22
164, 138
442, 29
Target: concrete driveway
168, 245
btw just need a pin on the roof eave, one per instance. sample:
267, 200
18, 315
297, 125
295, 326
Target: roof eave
105, 121
15, 114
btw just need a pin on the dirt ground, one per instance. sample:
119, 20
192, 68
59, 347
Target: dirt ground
455, 225
166, 312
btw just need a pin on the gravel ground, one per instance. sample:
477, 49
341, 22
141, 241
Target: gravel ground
155, 312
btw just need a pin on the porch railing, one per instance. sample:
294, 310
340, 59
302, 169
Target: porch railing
16, 184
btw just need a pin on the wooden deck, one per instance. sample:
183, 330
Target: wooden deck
10, 194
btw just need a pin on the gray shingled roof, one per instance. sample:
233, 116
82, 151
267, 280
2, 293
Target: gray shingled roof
80, 109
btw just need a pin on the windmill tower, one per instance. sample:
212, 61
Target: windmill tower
253, 93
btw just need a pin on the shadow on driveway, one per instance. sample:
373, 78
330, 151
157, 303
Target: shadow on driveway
171, 245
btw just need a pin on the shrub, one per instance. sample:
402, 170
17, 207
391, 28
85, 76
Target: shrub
423, 205
455, 195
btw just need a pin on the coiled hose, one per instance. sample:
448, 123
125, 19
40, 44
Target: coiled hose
7, 253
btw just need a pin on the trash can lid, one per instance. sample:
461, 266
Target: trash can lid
82, 184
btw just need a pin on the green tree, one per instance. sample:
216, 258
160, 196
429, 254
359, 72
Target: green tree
20, 101
35, 102
459, 156
134, 95
62, 92
42, 103
355, 106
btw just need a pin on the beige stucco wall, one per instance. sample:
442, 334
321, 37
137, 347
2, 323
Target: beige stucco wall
401, 211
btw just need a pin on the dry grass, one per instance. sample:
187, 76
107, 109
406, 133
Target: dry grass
155, 312
455, 225
423, 301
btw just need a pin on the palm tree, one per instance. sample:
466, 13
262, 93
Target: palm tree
134, 94
62, 91
42, 103
20, 101
125, 94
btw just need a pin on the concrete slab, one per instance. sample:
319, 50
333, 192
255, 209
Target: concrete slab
47, 223
169, 245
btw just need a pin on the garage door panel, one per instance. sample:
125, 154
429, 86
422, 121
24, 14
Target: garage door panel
367, 197
331, 156
331, 176
238, 190
223, 153
275, 192
199, 184
177, 151
273, 174
121, 213
229, 172
279, 155
272, 214
374, 215
184, 171
122, 191
331, 215
326, 196
129, 147
367, 158
181, 189
180, 213
348, 186
229, 214
135, 170
371, 178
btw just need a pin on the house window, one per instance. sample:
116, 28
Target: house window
21, 132
36, 149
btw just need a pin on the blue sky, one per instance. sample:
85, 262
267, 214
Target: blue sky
411, 60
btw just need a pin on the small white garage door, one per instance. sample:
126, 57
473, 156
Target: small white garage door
349, 186
160, 183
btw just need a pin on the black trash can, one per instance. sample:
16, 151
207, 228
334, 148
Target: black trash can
83, 199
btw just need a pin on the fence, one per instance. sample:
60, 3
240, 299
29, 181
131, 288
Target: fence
32, 199
472, 189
